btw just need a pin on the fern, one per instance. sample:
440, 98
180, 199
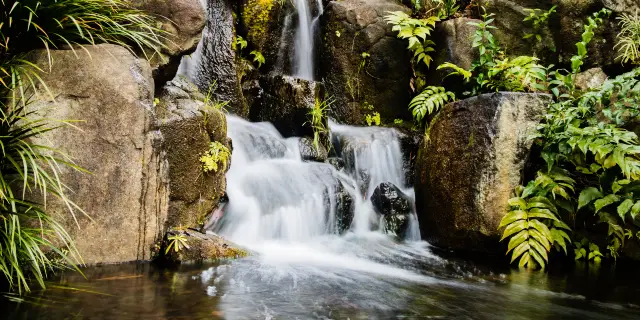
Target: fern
258, 57
416, 32
628, 44
465, 74
519, 74
429, 101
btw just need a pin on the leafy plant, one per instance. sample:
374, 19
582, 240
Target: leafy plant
257, 57
216, 156
27, 231
533, 223
416, 32
239, 42
429, 101
628, 44
177, 242
318, 120
538, 19
446, 8
373, 119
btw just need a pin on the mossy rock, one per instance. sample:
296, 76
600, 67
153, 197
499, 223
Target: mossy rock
192, 246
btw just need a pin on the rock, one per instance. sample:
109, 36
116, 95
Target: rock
215, 59
309, 152
410, 141
394, 206
453, 40
590, 79
189, 127
110, 94
183, 20
469, 164
286, 103
194, 246
354, 27
345, 209
337, 163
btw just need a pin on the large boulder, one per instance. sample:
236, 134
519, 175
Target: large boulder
351, 28
189, 126
286, 102
394, 206
110, 92
469, 164
183, 21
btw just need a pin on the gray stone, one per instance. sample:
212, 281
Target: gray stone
469, 164
196, 247
590, 79
286, 102
110, 93
309, 152
353, 27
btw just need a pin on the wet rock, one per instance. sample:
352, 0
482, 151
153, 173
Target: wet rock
410, 141
337, 163
309, 151
286, 103
394, 206
188, 129
216, 62
470, 163
110, 93
345, 209
194, 246
351, 28
183, 21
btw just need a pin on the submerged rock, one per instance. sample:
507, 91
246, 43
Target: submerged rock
337, 163
345, 209
189, 246
286, 102
189, 127
309, 151
468, 165
394, 206
109, 92
355, 33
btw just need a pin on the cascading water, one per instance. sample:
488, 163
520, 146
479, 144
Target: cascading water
303, 45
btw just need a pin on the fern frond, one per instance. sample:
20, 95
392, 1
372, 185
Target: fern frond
465, 74
430, 100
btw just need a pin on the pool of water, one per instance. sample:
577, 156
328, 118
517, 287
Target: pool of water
337, 278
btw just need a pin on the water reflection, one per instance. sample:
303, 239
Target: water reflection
253, 289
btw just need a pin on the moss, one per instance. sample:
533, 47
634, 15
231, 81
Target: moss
256, 16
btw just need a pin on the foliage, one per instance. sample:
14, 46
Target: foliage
416, 32
257, 57
318, 120
533, 223
446, 8
373, 119
27, 231
492, 71
628, 44
429, 101
177, 242
580, 136
33, 24
239, 42
539, 19
217, 155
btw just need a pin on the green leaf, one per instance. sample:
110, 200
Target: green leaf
514, 228
513, 216
517, 240
587, 195
635, 210
519, 250
609, 199
624, 207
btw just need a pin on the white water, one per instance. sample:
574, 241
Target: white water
303, 45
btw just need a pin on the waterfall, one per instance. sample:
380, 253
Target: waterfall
275, 195
303, 46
